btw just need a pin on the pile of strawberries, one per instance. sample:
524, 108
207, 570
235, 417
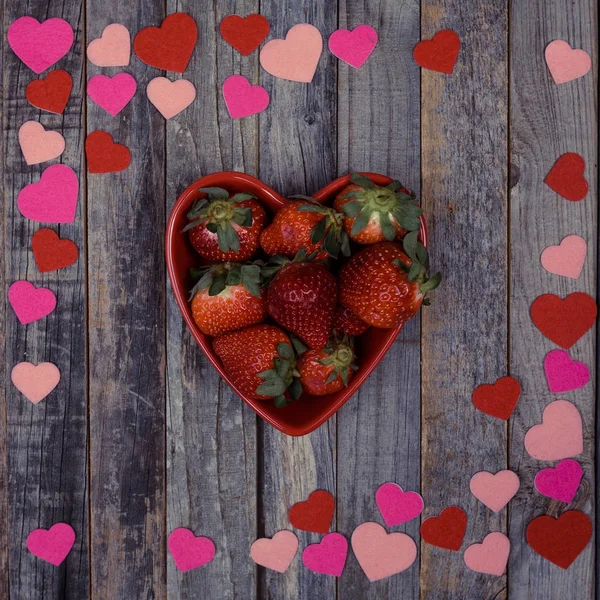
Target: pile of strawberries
284, 301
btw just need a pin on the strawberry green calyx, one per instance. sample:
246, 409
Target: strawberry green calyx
341, 356
282, 381
217, 278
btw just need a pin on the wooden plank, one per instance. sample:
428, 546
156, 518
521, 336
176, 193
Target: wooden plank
126, 220
211, 433
46, 444
379, 429
297, 156
546, 121
464, 190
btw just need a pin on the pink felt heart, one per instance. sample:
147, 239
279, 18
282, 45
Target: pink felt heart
275, 553
170, 97
30, 303
494, 490
563, 373
295, 58
491, 556
188, 551
567, 258
560, 482
112, 49
52, 545
242, 98
35, 382
566, 64
40, 45
353, 47
39, 145
327, 557
112, 93
559, 435
397, 506
53, 199
380, 554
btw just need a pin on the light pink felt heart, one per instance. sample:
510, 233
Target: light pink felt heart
560, 434
275, 553
39, 145
327, 557
353, 47
566, 259
494, 490
112, 49
112, 93
188, 551
566, 64
397, 506
40, 45
491, 556
563, 373
295, 58
35, 382
30, 303
53, 199
52, 545
242, 98
170, 97
380, 554
560, 482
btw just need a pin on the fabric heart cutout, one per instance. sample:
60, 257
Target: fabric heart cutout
381, 554
170, 97
112, 94
39, 145
495, 490
314, 514
563, 373
295, 58
104, 155
566, 177
51, 253
566, 63
242, 98
440, 53
169, 46
30, 303
190, 551
276, 553
491, 556
498, 399
40, 45
50, 93
245, 34
447, 530
353, 47
112, 48
564, 322
328, 557
559, 435
397, 506
566, 259
561, 482
52, 545
560, 540
35, 382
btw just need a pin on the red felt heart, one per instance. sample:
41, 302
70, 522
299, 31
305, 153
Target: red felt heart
169, 46
440, 53
564, 321
50, 93
245, 34
104, 155
446, 531
498, 399
566, 177
315, 513
560, 540
50, 252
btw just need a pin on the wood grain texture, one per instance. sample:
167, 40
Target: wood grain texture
378, 431
546, 121
464, 188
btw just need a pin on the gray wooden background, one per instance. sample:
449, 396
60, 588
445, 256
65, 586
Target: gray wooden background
141, 436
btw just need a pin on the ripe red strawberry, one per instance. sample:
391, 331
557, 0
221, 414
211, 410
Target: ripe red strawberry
374, 213
228, 297
224, 228
345, 321
260, 361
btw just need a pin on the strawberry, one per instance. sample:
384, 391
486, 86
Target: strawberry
375, 214
260, 361
224, 228
228, 297
345, 321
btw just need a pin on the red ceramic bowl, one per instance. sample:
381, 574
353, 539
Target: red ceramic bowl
309, 412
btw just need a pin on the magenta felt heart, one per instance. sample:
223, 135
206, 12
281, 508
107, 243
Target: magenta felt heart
561, 482
52, 545
353, 47
397, 506
328, 557
563, 373
112, 93
188, 551
30, 303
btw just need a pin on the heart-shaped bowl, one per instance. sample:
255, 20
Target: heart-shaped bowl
309, 412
